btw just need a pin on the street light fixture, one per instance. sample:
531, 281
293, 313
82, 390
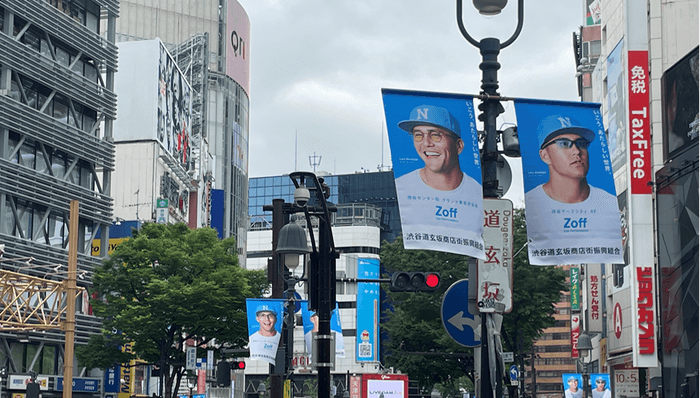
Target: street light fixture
191, 381
490, 107
262, 389
490, 7
310, 197
292, 244
584, 346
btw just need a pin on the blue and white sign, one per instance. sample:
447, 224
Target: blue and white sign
367, 344
264, 328
112, 379
435, 154
80, 384
461, 325
570, 199
310, 321
514, 375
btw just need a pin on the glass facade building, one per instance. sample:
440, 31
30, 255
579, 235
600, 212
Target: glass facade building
57, 108
375, 188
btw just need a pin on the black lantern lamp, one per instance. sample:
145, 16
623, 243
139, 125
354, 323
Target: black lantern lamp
292, 244
490, 7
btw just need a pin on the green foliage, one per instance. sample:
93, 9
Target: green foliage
165, 285
417, 341
535, 289
418, 344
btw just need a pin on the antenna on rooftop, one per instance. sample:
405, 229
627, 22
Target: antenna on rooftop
314, 161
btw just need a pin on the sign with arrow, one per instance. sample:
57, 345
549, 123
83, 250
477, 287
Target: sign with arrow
514, 375
461, 325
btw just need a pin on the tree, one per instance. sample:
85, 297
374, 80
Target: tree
164, 286
417, 342
535, 289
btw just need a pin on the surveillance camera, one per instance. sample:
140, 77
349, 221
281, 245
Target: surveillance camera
301, 196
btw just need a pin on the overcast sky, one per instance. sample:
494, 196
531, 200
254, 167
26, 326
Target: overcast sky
318, 67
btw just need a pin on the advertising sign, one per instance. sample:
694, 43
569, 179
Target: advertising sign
80, 384
575, 294
162, 212
626, 382
112, 379
435, 153
19, 382
265, 317
310, 322
238, 45
174, 109
495, 273
639, 122
616, 99
679, 89
570, 201
600, 385
367, 342
594, 298
385, 385
575, 332
573, 385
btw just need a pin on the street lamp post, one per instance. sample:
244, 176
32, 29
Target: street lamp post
584, 347
310, 198
490, 107
191, 380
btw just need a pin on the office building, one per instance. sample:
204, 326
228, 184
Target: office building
208, 40
57, 107
639, 59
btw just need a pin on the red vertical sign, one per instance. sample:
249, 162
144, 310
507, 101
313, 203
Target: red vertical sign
640, 131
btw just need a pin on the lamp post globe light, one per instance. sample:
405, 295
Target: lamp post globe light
584, 347
310, 198
490, 107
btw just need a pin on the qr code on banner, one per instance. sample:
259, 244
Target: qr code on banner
365, 350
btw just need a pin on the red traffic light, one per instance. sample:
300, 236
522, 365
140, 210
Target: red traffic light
238, 365
432, 280
411, 281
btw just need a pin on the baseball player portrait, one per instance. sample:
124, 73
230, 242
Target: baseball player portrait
264, 325
570, 202
435, 154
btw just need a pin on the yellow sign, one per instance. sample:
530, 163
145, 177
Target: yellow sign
18, 395
287, 389
112, 245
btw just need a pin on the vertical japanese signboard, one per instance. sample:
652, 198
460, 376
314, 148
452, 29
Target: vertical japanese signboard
643, 285
495, 273
575, 296
594, 297
640, 137
575, 332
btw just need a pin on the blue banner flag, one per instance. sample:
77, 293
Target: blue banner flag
435, 155
265, 317
570, 201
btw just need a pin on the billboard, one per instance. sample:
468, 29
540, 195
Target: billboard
679, 92
265, 318
238, 45
155, 99
617, 98
367, 341
435, 153
570, 200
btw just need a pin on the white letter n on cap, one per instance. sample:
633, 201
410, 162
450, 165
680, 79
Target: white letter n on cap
565, 122
422, 114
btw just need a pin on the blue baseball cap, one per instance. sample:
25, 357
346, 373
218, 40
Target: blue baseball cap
556, 125
572, 378
264, 308
431, 116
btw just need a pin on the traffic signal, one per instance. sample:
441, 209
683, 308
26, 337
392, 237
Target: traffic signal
409, 281
238, 365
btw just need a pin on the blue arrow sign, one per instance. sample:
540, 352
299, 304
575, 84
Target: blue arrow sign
456, 319
514, 373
